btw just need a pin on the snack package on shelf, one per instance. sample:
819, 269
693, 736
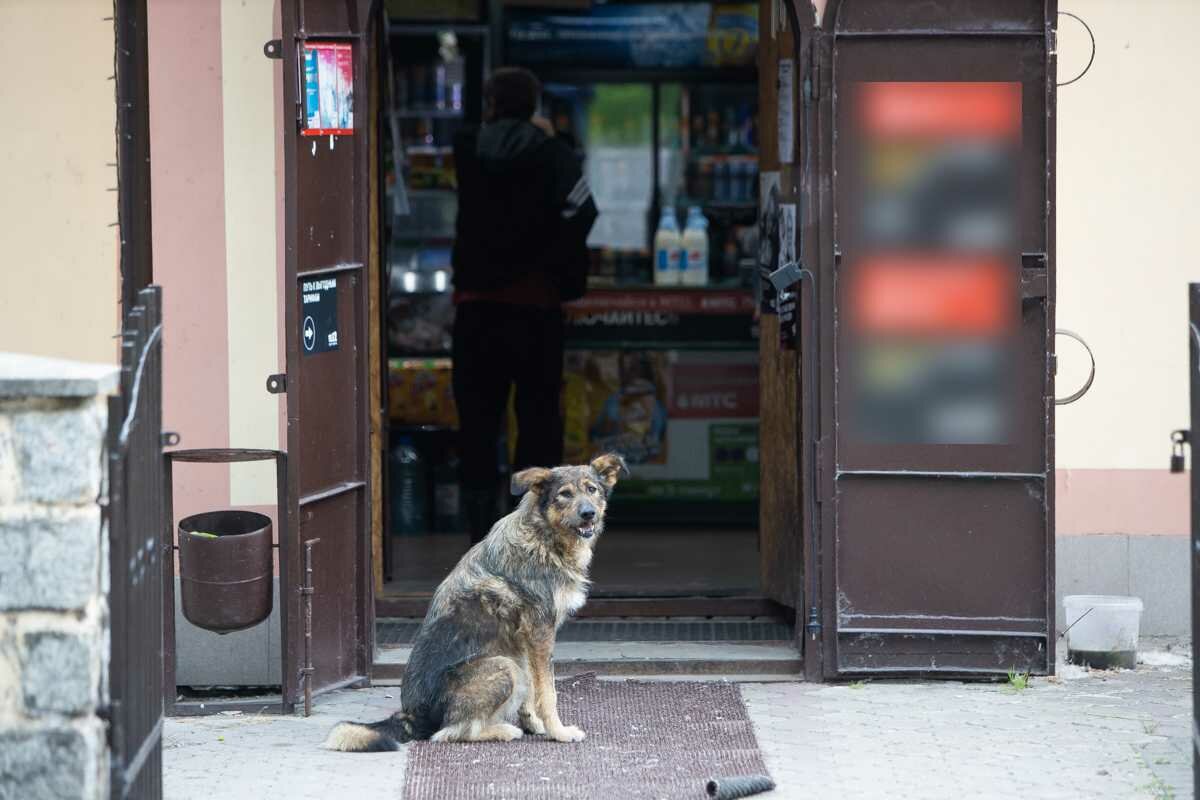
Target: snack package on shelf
420, 392
616, 401
576, 443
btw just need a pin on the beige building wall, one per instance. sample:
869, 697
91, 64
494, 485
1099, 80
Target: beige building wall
1128, 171
60, 294
251, 136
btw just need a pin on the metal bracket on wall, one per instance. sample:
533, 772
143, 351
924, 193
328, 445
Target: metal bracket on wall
1178, 439
169, 438
273, 49
277, 384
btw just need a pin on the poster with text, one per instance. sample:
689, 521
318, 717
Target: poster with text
328, 89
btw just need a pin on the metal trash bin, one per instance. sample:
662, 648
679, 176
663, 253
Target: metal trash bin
226, 581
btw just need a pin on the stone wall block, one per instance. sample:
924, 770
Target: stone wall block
58, 449
48, 558
47, 763
57, 672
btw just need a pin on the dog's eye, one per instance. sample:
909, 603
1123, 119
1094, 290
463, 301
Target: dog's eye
565, 494
592, 489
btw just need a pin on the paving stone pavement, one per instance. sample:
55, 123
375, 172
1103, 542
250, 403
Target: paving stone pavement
1124, 734
1082, 735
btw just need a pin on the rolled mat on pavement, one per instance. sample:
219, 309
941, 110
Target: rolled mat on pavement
644, 740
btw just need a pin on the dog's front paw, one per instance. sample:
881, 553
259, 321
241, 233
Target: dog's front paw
568, 733
532, 723
507, 733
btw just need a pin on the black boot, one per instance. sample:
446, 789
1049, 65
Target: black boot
480, 507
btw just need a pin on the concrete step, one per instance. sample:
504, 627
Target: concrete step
644, 659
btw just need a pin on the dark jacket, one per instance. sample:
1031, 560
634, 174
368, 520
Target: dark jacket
524, 210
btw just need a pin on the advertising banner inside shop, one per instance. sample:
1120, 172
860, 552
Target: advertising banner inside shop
643, 35
718, 319
686, 422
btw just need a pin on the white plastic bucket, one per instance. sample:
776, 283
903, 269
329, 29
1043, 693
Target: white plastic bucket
1102, 630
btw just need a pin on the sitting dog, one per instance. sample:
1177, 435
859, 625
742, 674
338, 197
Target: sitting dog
481, 660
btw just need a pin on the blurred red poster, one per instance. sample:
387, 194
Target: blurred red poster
933, 110
931, 295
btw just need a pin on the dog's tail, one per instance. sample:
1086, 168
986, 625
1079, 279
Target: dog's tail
373, 737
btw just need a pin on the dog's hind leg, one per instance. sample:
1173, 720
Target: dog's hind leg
484, 698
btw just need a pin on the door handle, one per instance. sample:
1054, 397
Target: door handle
1091, 372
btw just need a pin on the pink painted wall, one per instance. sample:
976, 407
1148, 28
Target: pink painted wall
1133, 501
187, 169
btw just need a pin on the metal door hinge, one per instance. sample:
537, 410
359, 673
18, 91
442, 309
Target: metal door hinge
273, 49
277, 384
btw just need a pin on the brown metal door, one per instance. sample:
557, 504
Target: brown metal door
938, 414
327, 198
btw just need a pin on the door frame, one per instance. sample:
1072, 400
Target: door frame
293, 35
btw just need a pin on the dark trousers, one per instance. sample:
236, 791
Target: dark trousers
497, 346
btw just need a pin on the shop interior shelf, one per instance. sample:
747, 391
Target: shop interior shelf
398, 353
659, 344
673, 289
434, 28
428, 113
400, 426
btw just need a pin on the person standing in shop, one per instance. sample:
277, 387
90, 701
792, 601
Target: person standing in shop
520, 252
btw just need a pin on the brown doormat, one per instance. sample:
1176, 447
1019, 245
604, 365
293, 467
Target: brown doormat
644, 740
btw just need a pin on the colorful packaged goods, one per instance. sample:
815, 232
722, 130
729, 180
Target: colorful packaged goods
420, 392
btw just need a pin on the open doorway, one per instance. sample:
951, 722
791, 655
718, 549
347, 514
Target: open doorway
661, 365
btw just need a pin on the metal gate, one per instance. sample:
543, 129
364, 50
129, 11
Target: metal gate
326, 151
936, 323
135, 515
1190, 437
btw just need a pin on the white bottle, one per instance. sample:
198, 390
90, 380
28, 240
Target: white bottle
695, 249
667, 250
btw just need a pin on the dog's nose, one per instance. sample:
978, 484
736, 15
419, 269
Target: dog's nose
587, 513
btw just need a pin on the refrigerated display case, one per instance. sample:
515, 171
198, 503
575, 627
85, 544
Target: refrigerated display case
433, 86
661, 103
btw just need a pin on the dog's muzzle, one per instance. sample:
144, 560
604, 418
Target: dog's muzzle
587, 530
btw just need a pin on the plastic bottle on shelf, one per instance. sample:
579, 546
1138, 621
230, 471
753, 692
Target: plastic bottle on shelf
447, 497
667, 249
695, 247
408, 489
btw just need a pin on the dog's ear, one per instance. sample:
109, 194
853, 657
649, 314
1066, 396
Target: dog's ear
533, 479
610, 467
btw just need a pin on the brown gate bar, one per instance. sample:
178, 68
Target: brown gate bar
134, 444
